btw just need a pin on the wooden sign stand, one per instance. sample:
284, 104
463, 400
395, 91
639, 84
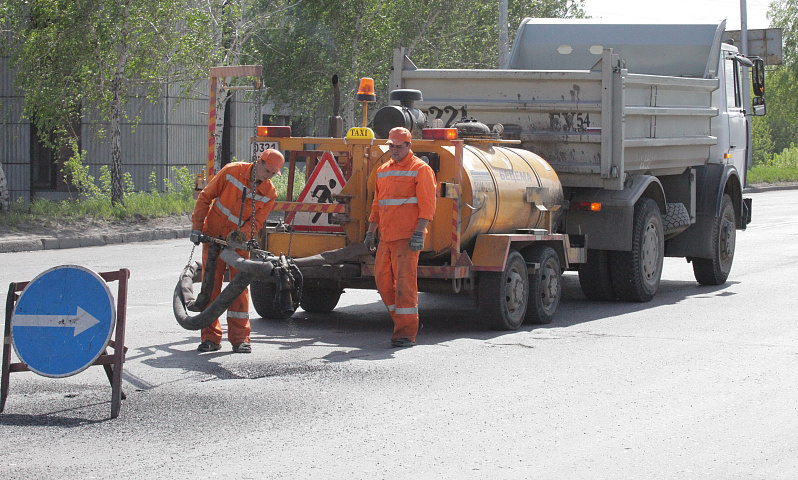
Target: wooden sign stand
112, 363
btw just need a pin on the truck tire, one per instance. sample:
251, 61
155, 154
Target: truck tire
503, 296
545, 286
319, 300
636, 274
262, 294
595, 278
715, 270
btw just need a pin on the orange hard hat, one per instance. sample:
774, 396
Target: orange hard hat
399, 135
273, 158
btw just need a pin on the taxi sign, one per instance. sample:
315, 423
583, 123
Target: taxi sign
360, 133
63, 321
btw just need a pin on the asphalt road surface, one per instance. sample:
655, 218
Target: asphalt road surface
702, 382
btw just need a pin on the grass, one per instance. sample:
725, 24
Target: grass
782, 167
176, 199
765, 174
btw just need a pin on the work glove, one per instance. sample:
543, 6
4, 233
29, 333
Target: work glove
195, 237
369, 241
417, 241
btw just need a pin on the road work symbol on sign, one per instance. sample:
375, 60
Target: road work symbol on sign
325, 181
63, 321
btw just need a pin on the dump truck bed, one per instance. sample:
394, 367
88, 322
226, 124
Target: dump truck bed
594, 125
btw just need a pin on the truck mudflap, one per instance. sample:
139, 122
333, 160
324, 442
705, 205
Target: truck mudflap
747, 214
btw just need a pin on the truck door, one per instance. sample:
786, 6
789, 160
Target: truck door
738, 139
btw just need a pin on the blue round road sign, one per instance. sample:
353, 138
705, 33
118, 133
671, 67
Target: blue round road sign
63, 321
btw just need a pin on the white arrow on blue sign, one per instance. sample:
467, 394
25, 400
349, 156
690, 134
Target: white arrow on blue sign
63, 321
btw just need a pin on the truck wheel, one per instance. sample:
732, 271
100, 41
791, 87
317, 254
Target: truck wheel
636, 274
503, 296
544, 286
594, 276
715, 270
262, 294
319, 300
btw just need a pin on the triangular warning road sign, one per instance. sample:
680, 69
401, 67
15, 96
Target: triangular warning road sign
325, 181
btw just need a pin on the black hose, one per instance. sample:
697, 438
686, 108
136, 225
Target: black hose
249, 270
204, 297
183, 299
215, 309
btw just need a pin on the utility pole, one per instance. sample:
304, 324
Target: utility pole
503, 36
746, 82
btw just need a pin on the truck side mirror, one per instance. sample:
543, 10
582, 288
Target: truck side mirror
759, 106
758, 72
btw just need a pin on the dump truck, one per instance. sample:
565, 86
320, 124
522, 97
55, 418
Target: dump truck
647, 127
599, 149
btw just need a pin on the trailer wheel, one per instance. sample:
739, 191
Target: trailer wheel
594, 276
320, 300
636, 274
715, 270
544, 286
503, 296
262, 294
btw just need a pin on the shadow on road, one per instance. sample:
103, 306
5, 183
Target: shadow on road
363, 332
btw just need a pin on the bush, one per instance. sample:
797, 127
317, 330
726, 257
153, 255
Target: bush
781, 167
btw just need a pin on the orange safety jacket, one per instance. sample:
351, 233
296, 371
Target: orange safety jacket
225, 192
404, 192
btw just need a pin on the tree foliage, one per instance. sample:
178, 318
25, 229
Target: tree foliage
356, 38
72, 55
781, 91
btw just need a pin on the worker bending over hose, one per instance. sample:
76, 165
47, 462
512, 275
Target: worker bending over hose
238, 199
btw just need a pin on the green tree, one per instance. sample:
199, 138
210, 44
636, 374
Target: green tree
781, 91
762, 141
356, 38
76, 55
231, 27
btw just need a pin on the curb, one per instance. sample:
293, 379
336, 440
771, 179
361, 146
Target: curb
768, 188
53, 243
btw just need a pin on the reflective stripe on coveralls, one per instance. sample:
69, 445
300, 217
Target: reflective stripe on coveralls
392, 308
395, 260
397, 201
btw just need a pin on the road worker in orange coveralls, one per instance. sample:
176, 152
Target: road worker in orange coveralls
404, 203
216, 214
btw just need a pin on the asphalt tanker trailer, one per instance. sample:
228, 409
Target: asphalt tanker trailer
492, 236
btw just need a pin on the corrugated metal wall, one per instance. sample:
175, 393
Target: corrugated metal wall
14, 137
171, 132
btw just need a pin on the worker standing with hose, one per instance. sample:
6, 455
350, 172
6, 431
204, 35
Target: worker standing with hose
404, 203
239, 198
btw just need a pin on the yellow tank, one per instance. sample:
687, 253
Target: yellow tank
504, 190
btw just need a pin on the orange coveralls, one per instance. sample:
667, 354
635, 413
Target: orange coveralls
404, 193
216, 215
